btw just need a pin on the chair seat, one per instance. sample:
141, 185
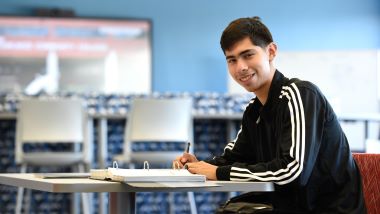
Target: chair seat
52, 158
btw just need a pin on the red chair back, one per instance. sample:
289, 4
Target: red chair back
369, 166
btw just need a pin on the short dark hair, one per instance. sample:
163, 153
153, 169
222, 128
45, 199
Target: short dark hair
241, 28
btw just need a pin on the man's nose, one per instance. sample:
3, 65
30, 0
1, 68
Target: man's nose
242, 65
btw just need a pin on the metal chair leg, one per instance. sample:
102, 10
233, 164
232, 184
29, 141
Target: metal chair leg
20, 192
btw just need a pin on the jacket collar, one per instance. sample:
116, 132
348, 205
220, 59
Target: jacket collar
274, 91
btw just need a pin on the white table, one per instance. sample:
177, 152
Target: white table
122, 196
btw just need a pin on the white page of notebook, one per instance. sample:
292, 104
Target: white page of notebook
154, 175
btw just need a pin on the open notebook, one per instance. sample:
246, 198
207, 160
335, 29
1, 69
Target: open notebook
145, 175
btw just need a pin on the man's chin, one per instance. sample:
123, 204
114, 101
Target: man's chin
249, 89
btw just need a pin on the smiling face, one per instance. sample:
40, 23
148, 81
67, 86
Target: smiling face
252, 66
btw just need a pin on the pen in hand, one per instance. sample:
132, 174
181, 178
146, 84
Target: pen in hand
187, 149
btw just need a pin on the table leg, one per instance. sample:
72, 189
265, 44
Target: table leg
122, 202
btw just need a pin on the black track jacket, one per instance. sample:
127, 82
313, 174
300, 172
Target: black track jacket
295, 141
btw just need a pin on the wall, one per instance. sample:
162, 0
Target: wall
187, 56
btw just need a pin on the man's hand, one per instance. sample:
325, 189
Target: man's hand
203, 168
180, 161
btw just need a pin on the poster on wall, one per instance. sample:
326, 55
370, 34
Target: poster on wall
44, 54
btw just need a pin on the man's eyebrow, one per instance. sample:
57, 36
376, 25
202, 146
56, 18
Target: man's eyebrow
230, 57
241, 53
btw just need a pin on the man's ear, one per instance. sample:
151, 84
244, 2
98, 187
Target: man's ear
272, 51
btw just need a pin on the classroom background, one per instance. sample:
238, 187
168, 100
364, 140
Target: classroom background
334, 44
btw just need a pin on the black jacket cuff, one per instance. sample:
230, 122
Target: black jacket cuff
223, 173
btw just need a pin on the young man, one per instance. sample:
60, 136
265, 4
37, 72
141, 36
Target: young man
289, 134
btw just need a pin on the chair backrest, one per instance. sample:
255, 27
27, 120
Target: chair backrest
51, 121
369, 166
155, 120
